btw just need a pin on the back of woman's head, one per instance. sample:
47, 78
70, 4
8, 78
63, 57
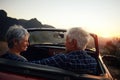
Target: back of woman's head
80, 35
16, 32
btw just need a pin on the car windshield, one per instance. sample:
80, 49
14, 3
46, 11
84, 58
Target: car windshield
53, 37
47, 37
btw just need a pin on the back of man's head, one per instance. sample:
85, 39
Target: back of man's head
80, 35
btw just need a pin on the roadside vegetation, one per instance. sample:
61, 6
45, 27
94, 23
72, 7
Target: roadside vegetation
111, 53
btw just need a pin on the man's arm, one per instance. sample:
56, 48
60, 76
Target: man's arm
56, 61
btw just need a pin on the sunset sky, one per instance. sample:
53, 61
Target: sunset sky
98, 16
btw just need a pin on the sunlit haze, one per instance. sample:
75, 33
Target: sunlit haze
97, 16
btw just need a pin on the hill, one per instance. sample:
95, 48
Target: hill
6, 22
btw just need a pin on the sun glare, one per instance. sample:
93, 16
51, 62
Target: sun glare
107, 35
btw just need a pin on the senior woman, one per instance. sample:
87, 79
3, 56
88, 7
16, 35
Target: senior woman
17, 40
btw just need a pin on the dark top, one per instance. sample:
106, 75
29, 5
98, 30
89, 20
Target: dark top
12, 56
77, 61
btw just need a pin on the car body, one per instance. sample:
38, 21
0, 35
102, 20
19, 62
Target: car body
49, 42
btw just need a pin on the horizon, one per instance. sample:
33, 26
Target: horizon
99, 17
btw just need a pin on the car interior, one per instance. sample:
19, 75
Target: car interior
26, 69
37, 52
41, 72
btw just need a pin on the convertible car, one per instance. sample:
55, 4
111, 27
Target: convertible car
46, 42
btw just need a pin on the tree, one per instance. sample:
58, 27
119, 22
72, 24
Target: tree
113, 47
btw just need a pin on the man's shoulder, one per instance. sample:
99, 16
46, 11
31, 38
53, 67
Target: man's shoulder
62, 55
80, 54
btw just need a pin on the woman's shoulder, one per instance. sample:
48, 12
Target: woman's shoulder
5, 55
11, 56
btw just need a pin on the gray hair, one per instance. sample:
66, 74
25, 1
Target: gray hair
80, 35
15, 32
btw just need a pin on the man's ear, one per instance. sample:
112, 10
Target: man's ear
74, 43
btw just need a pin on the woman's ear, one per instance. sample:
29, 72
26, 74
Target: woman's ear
15, 41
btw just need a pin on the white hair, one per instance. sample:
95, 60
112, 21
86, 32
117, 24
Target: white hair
15, 32
80, 35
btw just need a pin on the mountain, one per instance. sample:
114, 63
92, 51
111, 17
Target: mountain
6, 22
